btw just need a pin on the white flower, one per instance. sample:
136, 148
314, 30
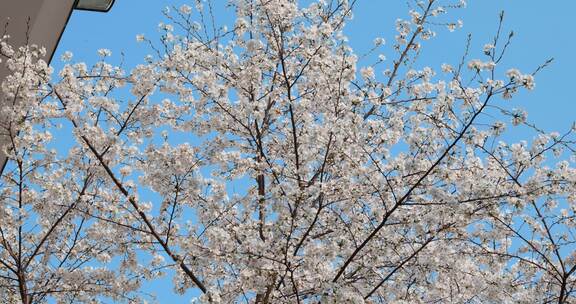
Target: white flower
157, 260
326, 29
518, 116
367, 73
67, 56
498, 128
488, 48
379, 41
479, 65
185, 9
514, 74
125, 171
446, 68
253, 45
104, 53
416, 16
528, 81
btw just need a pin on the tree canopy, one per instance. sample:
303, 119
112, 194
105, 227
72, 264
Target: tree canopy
309, 177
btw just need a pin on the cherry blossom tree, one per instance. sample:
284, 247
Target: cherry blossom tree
265, 163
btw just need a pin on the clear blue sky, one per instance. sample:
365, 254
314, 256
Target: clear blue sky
543, 29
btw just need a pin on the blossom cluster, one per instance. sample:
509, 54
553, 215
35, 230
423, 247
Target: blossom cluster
266, 164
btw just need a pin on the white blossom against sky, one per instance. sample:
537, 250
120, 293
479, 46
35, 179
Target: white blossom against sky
543, 29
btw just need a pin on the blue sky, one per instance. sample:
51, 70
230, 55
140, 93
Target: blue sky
542, 30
